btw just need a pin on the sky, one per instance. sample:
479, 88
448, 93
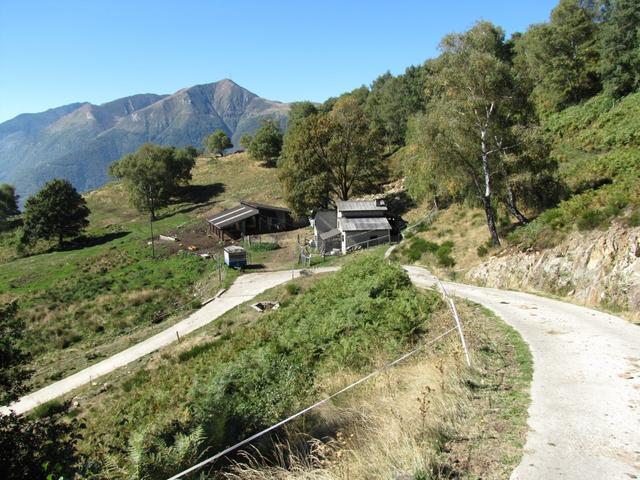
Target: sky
58, 52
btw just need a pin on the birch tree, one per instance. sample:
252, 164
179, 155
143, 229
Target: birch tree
467, 129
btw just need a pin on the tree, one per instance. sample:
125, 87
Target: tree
13, 361
298, 111
152, 175
393, 100
217, 142
559, 60
266, 143
620, 48
467, 128
8, 202
245, 140
331, 155
56, 211
29, 448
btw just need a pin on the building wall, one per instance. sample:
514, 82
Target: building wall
364, 239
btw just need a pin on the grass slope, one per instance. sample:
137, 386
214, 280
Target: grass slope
598, 147
106, 292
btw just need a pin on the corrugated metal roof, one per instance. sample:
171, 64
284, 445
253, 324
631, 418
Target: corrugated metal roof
330, 234
360, 206
232, 215
264, 206
363, 224
326, 220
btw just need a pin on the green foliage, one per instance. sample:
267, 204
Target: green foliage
620, 44
597, 145
443, 254
366, 313
293, 288
559, 60
38, 449
8, 202
57, 211
217, 142
266, 144
392, 100
473, 123
245, 140
13, 360
482, 251
153, 174
30, 448
262, 246
298, 112
331, 155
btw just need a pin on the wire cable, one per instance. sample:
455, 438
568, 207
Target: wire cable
250, 439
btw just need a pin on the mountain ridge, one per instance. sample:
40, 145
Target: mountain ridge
79, 140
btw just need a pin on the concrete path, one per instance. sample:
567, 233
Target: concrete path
585, 412
243, 289
584, 416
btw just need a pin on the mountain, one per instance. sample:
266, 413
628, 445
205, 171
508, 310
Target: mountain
78, 141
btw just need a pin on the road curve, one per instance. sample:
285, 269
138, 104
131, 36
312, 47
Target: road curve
584, 416
243, 289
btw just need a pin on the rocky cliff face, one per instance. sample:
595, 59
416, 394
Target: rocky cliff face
598, 268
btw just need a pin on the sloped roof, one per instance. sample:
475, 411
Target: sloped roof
330, 234
326, 220
232, 215
360, 206
264, 206
364, 224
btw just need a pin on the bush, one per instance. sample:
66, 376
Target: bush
443, 254
591, 219
482, 251
293, 288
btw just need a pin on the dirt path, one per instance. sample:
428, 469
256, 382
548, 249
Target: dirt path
244, 288
584, 416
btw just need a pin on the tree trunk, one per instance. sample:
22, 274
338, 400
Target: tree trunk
510, 202
486, 198
60, 240
491, 220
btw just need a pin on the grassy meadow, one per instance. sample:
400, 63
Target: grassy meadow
104, 292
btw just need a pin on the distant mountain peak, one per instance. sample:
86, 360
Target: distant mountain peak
79, 141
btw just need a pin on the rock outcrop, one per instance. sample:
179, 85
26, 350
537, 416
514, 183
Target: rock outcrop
597, 268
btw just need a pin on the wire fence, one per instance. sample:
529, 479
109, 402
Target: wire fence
300, 413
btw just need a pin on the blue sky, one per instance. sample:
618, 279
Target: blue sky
58, 52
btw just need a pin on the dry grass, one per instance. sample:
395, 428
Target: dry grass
425, 419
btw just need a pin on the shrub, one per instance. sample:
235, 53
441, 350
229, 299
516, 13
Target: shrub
482, 251
443, 255
293, 288
591, 219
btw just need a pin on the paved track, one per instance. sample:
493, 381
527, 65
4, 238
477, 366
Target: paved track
584, 416
585, 412
244, 288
